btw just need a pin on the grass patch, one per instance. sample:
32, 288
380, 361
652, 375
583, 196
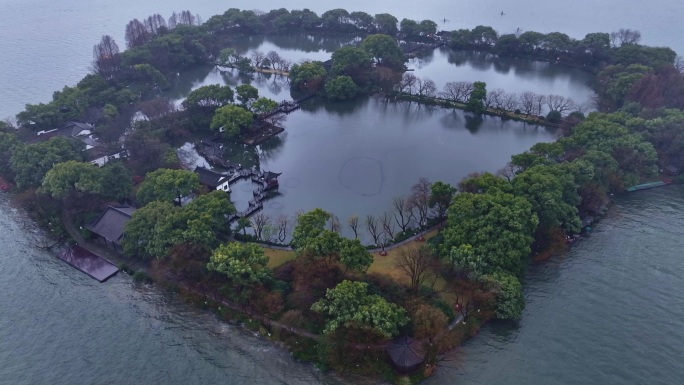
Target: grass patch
278, 257
387, 265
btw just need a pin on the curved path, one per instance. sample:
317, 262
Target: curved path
373, 250
116, 259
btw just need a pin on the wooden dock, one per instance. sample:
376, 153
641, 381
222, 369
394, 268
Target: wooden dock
89, 263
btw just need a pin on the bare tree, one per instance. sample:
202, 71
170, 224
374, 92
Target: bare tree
415, 262
539, 101
407, 83
106, 58
270, 232
136, 34
285, 65
526, 102
679, 64
183, 18
583, 107
387, 224
275, 59
353, 222
624, 36
457, 91
259, 221
187, 18
335, 223
425, 87
510, 101
373, 228
276, 119
559, 103
420, 199
489, 100
257, 58
495, 98
402, 212
157, 108
281, 224
155, 24
509, 171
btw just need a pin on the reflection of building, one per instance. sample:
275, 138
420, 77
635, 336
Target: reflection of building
212, 179
109, 227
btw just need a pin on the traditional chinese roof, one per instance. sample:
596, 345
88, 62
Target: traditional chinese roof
268, 175
406, 353
110, 225
210, 178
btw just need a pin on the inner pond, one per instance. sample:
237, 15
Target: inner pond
352, 158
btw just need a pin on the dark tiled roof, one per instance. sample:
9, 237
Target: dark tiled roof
77, 127
268, 175
406, 353
210, 178
110, 224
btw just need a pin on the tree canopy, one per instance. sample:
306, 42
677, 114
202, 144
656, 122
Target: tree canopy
498, 226
233, 119
111, 181
341, 88
243, 263
384, 50
31, 162
350, 305
210, 96
307, 76
160, 225
309, 225
350, 61
167, 185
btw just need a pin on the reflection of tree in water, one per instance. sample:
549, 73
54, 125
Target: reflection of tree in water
340, 108
272, 147
184, 82
277, 83
299, 42
521, 67
240, 153
422, 60
452, 120
233, 77
473, 122
346, 107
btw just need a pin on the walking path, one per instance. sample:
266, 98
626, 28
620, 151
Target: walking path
373, 250
115, 258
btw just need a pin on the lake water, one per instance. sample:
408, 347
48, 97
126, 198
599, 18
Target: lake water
610, 311
512, 75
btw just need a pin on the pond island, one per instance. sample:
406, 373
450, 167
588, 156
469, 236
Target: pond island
366, 190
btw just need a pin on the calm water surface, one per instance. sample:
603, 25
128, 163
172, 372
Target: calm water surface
609, 312
43, 50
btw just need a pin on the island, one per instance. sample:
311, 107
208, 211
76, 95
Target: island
101, 166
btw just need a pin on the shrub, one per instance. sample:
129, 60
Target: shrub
445, 308
554, 117
140, 276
